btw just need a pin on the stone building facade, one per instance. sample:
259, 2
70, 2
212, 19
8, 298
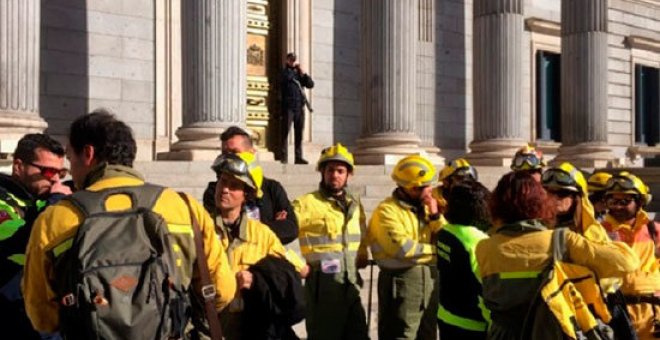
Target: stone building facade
450, 77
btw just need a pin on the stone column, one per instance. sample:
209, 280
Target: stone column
497, 84
19, 71
584, 83
214, 75
389, 81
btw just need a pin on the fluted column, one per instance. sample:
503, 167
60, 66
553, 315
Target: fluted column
19, 70
584, 83
389, 80
498, 101
214, 74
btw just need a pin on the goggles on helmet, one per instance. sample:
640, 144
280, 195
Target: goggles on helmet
622, 182
232, 164
558, 176
531, 160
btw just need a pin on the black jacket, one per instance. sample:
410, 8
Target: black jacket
273, 201
292, 96
275, 302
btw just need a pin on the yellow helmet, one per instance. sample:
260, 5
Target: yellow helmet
565, 177
627, 183
458, 167
337, 153
598, 181
527, 158
414, 171
242, 166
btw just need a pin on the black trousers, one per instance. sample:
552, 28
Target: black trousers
297, 117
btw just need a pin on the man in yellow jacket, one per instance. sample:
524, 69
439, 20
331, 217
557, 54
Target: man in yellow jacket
400, 235
332, 240
101, 151
627, 221
246, 240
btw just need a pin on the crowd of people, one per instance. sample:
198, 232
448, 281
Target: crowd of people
550, 253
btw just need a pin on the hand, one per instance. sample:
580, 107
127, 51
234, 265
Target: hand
361, 262
244, 279
59, 188
430, 202
281, 215
298, 68
304, 272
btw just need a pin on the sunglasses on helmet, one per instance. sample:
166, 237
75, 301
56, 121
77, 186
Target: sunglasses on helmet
50, 172
558, 176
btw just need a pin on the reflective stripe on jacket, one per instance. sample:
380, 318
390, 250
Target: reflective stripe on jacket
399, 238
331, 230
55, 228
461, 302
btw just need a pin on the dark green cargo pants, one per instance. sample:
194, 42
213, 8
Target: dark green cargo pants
408, 303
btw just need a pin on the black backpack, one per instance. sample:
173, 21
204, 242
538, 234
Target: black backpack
118, 279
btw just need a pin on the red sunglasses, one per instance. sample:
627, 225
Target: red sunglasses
49, 172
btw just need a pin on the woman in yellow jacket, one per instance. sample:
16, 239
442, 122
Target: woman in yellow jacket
246, 240
512, 260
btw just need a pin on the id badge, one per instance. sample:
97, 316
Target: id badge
331, 266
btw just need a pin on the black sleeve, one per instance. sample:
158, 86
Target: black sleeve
306, 81
286, 230
209, 198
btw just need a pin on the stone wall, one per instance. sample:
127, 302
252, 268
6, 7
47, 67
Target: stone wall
627, 18
335, 69
99, 53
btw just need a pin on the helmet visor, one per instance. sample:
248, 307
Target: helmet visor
622, 182
232, 164
467, 172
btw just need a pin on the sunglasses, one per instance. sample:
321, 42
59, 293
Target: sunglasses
49, 172
557, 176
619, 201
530, 159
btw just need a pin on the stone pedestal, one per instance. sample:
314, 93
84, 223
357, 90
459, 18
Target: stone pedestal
19, 71
214, 76
498, 101
389, 81
584, 83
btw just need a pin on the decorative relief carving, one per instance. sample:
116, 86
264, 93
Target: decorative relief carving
255, 55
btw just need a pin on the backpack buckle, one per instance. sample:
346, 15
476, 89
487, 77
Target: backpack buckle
208, 291
68, 300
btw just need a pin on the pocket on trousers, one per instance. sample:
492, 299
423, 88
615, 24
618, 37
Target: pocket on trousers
398, 288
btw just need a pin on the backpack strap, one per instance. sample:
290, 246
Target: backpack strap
93, 202
207, 287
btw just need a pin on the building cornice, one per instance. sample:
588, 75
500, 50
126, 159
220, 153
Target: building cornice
643, 43
543, 26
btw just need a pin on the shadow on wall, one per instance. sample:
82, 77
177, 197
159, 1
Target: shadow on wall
64, 79
346, 109
451, 110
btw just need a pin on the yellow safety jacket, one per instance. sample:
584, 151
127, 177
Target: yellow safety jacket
55, 228
330, 229
254, 242
646, 279
401, 237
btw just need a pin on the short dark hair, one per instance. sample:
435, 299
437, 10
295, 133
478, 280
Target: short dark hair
30, 142
291, 55
467, 204
111, 138
518, 196
234, 131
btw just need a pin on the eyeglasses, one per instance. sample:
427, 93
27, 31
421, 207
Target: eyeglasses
50, 172
618, 201
557, 176
531, 159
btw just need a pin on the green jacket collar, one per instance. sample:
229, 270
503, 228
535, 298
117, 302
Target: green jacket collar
522, 227
242, 229
105, 170
348, 205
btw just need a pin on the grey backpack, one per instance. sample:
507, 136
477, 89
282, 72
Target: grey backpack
118, 279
